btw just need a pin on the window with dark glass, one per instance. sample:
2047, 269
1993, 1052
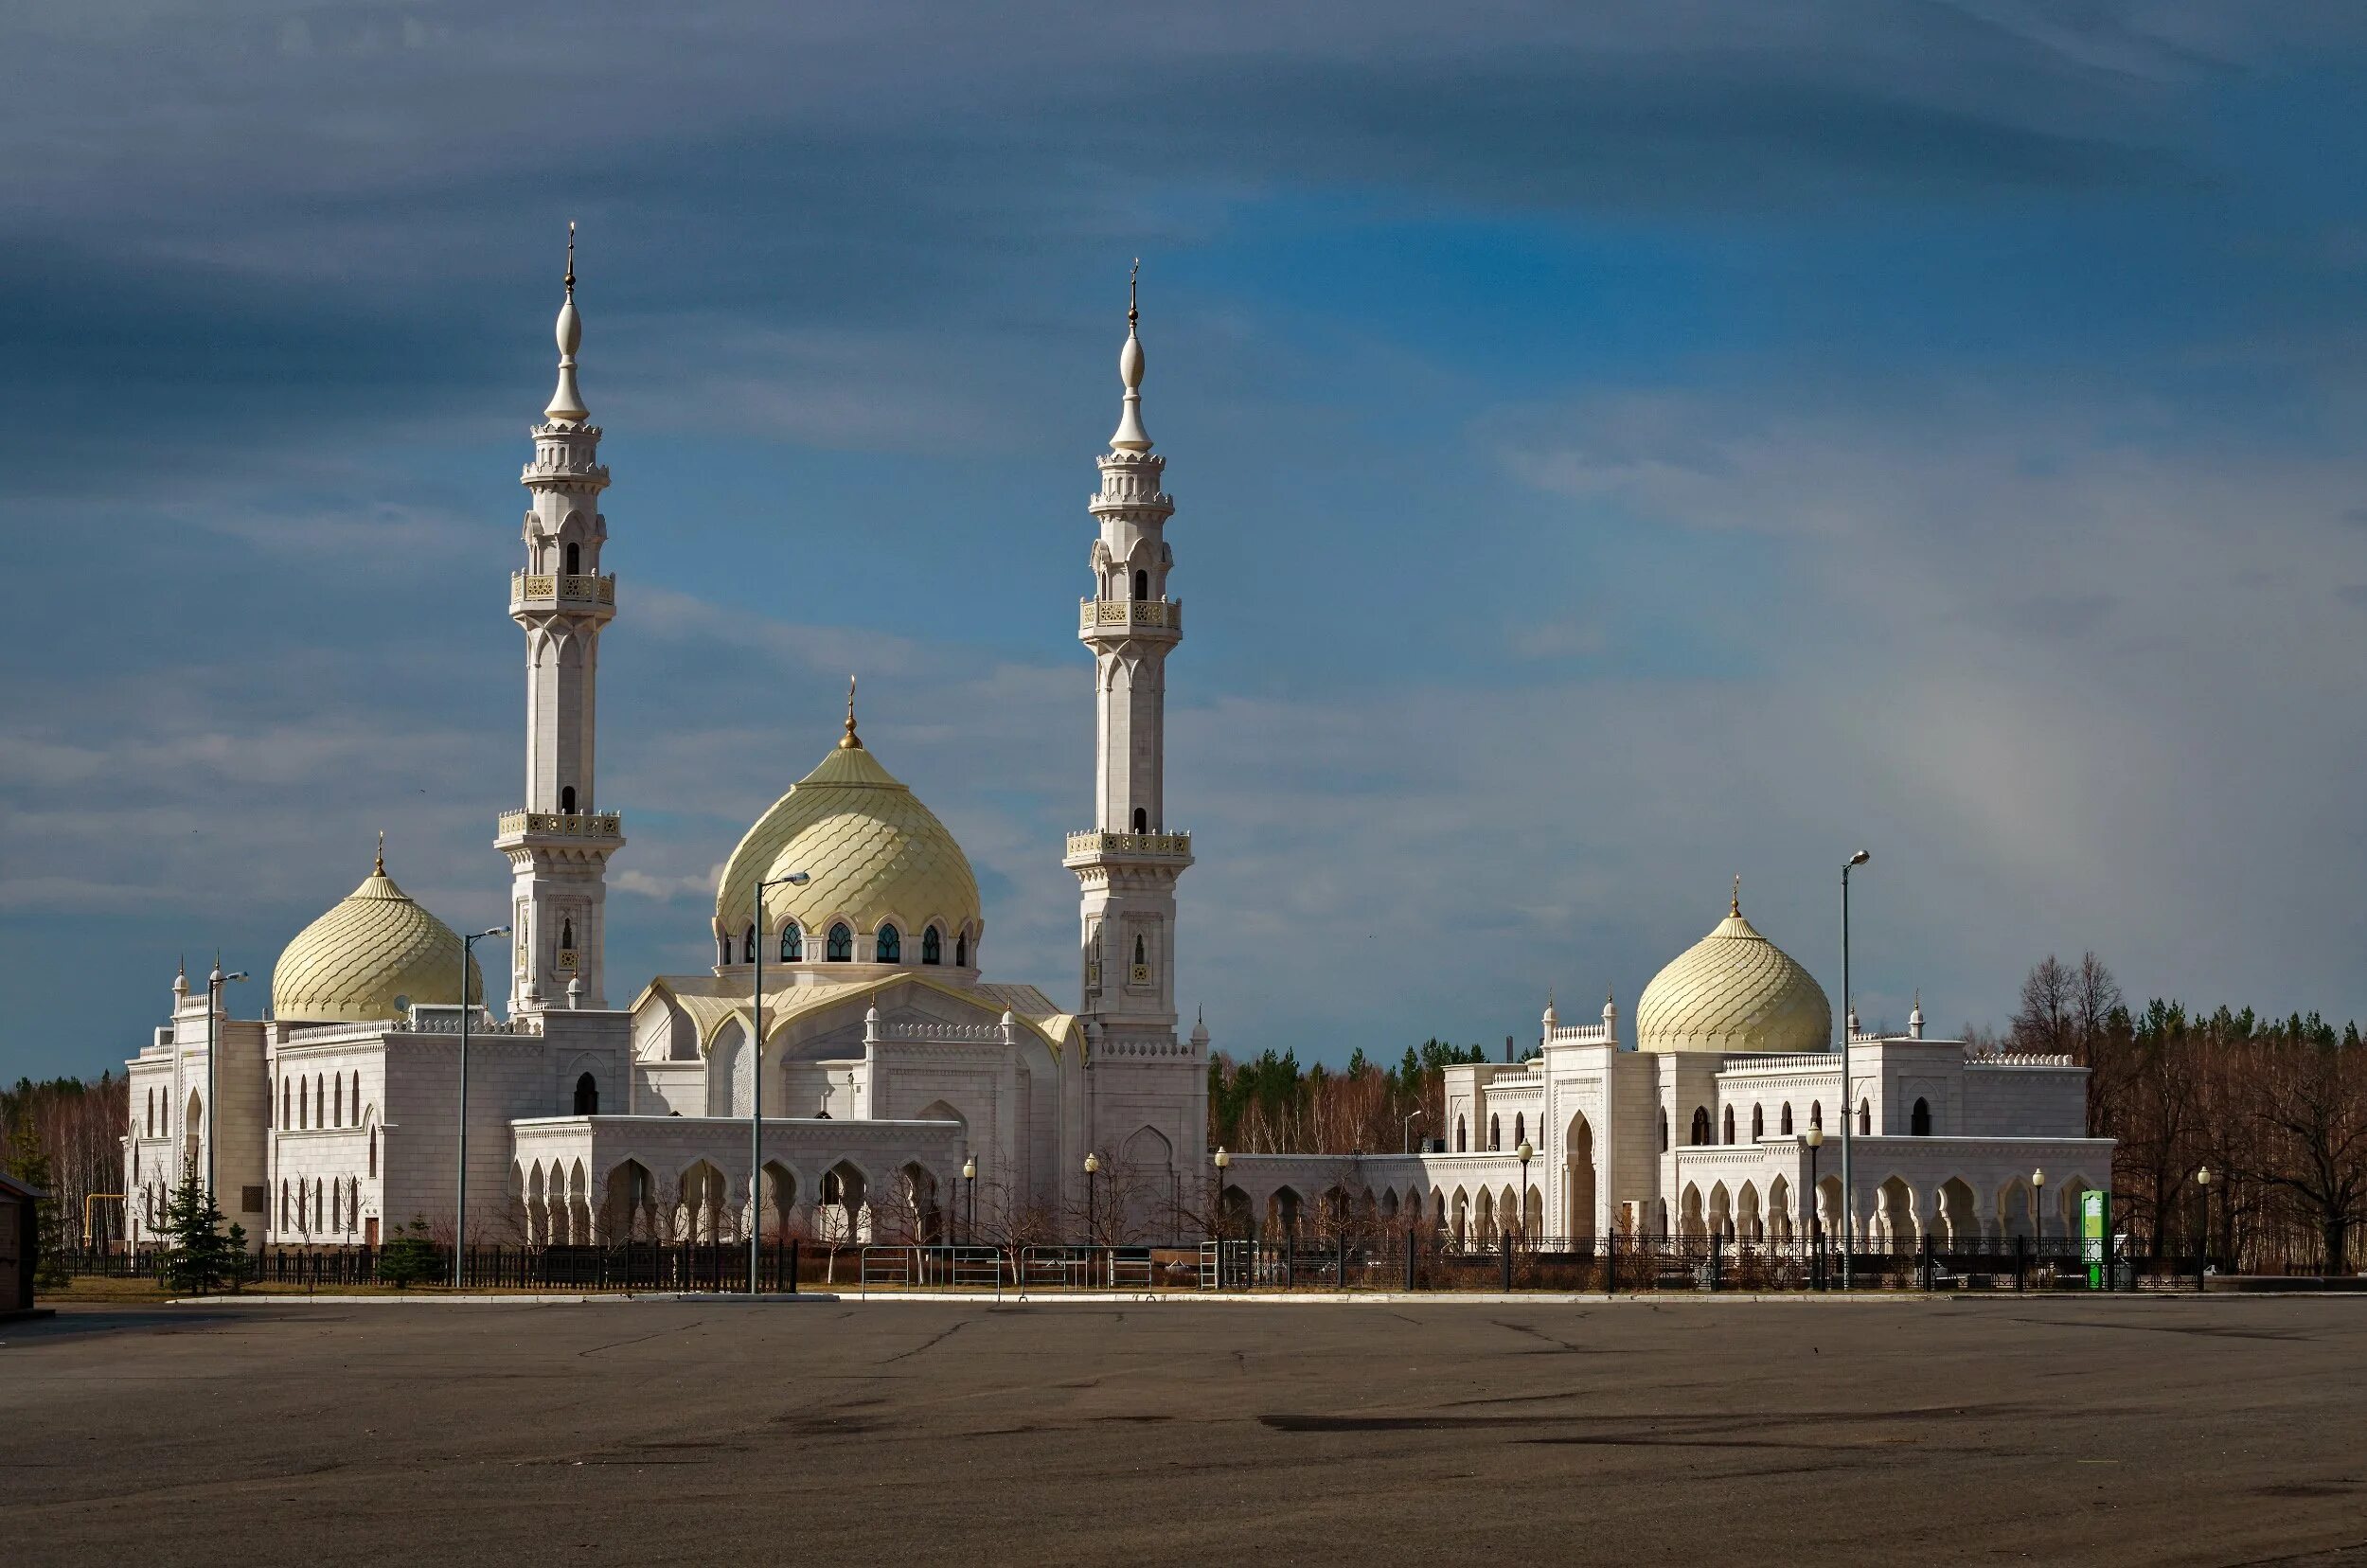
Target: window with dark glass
888, 947
567, 800
932, 947
587, 1097
1142, 585
792, 943
575, 559
841, 948
1729, 1128
1700, 1124
1758, 1124
1919, 1119
961, 950
748, 945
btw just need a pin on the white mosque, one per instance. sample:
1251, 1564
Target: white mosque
894, 1074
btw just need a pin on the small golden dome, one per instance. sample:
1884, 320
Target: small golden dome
374, 947
1734, 990
873, 853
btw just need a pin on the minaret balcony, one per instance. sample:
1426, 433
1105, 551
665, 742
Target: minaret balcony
580, 824
1176, 847
556, 591
1126, 616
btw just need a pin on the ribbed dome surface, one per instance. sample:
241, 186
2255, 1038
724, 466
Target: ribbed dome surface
373, 946
874, 852
1734, 990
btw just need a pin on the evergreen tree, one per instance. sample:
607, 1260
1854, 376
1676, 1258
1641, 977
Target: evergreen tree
28, 1163
200, 1257
410, 1255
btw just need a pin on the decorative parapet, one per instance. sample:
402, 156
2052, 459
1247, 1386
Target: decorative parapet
1140, 846
935, 1034
1808, 1060
526, 1024
335, 1031
1128, 614
1579, 1034
590, 824
536, 588
2018, 1058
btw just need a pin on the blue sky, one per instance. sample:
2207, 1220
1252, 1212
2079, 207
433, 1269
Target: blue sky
1615, 447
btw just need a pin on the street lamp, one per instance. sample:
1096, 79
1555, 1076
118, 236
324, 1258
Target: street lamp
1221, 1161
1093, 1168
1527, 1152
1815, 1140
1848, 1091
214, 983
2038, 1209
969, 1177
2202, 1180
1406, 1130
460, 1186
756, 1076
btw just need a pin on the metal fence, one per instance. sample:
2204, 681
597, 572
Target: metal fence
1403, 1261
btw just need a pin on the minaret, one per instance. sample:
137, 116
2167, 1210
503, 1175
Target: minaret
559, 845
1128, 865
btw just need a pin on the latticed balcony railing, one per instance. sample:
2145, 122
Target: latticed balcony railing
597, 824
1095, 614
562, 588
1164, 845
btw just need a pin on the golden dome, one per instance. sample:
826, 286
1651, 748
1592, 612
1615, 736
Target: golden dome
1734, 990
874, 855
374, 949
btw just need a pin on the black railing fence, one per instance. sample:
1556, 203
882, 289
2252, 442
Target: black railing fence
1402, 1260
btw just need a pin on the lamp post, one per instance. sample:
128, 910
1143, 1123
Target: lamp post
1093, 1168
756, 1076
1848, 1091
460, 1184
2202, 1243
1815, 1140
1527, 1152
970, 1181
2038, 1209
1215, 1219
1406, 1129
214, 983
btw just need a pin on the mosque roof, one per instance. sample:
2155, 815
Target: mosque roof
872, 853
374, 949
1734, 990
711, 1002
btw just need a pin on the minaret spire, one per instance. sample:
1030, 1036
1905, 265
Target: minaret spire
1130, 436
850, 741
567, 402
379, 869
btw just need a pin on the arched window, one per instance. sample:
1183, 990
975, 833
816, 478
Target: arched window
1142, 820
1700, 1124
1142, 585
575, 560
1919, 1119
337, 1204
319, 1206
567, 934
841, 948
961, 950
932, 947
1729, 1128
748, 946
304, 1106
1783, 1124
1139, 960
1495, 1134
723, 950
1758, 1124
1816, 1114
1520, 1130
568, 799
888, 947
1462, 1136
1664, 1129
373, 1152
1865, 1118
356, 1095
793, 944
587, 1097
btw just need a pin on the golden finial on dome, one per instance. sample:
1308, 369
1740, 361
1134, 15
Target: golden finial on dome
379, 869
850, 741
1734, 910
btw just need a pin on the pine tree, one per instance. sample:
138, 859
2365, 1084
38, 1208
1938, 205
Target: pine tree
29, 1164
200, 1257
410, 1256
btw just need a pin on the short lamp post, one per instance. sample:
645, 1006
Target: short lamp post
1815, 1140
1527, 1152
460, 1182
1092, 1169
755, 1075
2202, 1237
214, 983
969, 1185
2038, 1209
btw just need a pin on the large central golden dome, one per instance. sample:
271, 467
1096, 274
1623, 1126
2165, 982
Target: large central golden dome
375, 952
873, 853
1734, 990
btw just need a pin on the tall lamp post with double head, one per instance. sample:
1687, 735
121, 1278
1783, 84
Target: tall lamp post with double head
1848, 1090
214, 983
460, 1182
755, 1075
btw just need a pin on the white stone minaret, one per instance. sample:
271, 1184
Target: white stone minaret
559, 845
1128, 865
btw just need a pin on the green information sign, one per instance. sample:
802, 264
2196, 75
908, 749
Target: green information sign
2095, 1234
